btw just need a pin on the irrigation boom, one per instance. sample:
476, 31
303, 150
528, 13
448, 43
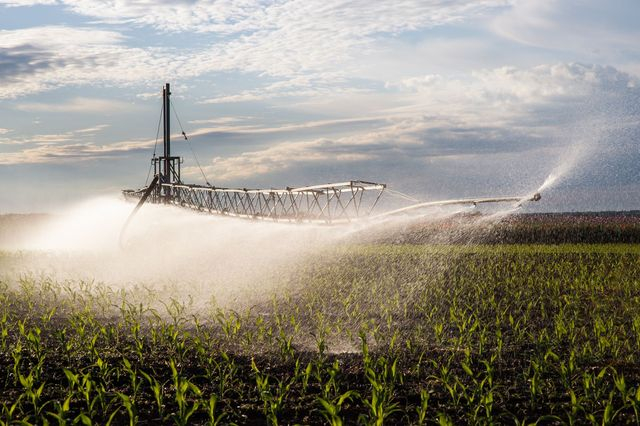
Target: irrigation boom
327, 203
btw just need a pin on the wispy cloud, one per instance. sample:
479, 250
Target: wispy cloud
60, 147
589, 29
278, 158
94, 129
77, 105
310, 50
40, 139
440, 114
292, 88
392, 140
228, 17
298, 44
487, 114
49, 150
221, 120
511, 90
22, 3
284, 128
43, 58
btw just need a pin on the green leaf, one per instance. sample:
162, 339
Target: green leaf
467, 369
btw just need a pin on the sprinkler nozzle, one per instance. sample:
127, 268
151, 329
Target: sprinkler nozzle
536, 197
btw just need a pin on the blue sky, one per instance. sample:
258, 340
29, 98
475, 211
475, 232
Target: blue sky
437, 98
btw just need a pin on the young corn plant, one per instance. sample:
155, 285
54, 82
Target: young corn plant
32, 392
479, 394
156, 390
222, 372
421, 410
285, 343
327, 376
16, 354
382, 376
274, 396
215, 418
134, 379
330, 409
129, 406
10, 411
61, 413
184, 389
4, 331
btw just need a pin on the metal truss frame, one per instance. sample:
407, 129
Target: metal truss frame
330, 203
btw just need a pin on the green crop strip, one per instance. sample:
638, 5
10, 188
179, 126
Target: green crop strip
363, 334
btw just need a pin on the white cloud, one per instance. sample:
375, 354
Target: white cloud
212, 16
302, 43
276, 158
308, 86
22, 3
226, 16
59, 37
77, 105
313, 49
494, 111
311, 38
587, 29
43, 58
490, 106
63, 148
389, 136
94, 129
222, 120
513, 89
227, 126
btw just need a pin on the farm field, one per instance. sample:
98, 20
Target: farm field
410, 330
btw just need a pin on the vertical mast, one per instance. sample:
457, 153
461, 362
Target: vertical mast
166, 106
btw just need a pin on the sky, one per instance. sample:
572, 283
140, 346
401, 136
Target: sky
436, 98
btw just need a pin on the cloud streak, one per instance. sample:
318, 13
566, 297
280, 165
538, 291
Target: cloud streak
585, 30
300, 43
64, 147
503, 97
488, 114
229, 17
45, 58
49, 150
78, 105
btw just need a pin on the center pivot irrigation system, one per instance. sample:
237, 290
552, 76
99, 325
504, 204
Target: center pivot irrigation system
331, 203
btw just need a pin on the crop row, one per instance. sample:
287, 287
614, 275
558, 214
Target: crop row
363, 334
